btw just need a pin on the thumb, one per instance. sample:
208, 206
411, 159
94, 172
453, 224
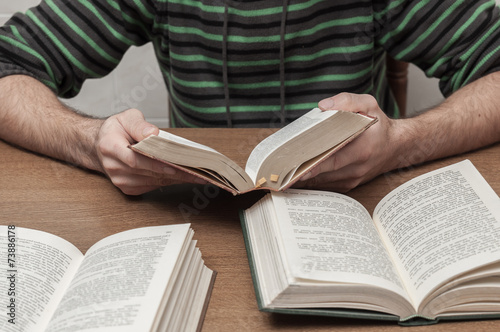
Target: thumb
327, 104
136, 126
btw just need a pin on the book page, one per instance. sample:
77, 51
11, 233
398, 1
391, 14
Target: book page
121, 281
441, 224
35, 278
183, 141
271, 143
331, 237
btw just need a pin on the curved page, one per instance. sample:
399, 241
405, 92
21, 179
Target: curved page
271, 143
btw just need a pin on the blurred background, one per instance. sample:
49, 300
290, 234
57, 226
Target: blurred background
137, 83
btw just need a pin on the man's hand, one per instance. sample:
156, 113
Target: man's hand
31, 114
369, 155
466, 120
133, 173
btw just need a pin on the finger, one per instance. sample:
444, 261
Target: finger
118, 150
134, 191
135, 184
144, 166
350, 102
135, 125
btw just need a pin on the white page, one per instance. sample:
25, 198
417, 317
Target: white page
271, 143
441, 223
44, 265
183, 141
118, 275
329, 236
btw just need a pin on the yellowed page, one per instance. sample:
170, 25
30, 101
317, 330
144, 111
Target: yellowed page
271, 143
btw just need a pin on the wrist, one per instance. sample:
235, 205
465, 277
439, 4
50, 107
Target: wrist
402, 141
417, 142
86, 152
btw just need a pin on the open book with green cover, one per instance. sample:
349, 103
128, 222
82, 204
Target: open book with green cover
275, 163
145, 279
431, 251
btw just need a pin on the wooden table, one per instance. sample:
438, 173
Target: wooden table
84, 207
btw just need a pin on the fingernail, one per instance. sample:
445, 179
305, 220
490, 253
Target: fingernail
326, 104
148, 131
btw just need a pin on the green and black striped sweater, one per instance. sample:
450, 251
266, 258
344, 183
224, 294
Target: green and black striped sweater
254, 63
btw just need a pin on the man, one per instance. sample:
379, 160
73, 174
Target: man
253, 64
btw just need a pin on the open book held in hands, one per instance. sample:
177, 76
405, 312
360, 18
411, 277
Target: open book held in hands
430, 252
275, 163
145, 279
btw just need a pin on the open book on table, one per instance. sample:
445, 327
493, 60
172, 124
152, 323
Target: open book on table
145, 279
275, 163
431, 251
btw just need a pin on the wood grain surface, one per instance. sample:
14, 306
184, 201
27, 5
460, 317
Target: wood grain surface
84, 207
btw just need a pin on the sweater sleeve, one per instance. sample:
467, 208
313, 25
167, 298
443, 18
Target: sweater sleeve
62, 43
457, 41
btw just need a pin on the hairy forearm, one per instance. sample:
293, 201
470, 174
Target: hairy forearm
32, 117
467, 120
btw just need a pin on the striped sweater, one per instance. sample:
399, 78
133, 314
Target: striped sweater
254, 63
